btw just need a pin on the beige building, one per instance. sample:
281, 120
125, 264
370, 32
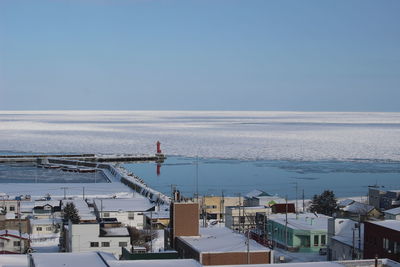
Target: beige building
213, 207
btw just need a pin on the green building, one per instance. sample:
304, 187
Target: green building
305, 232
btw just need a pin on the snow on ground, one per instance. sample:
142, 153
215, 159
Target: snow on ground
157, 244
45, 243
297, 256
219, 134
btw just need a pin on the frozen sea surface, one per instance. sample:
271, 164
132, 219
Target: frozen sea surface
221, 134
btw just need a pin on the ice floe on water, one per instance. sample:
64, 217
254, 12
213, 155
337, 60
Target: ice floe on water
210, 134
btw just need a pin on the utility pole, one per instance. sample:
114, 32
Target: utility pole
83, 193
203, 211
197, 178
222, 208
65, 192
297, 205
101, 210
286, 223
173, 188
151, 231
241, 221
353, 248
359, 237
248, 246
19, 227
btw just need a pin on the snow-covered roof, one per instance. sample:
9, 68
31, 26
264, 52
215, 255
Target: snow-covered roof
53, 203
85, 213
391, 224
302, 221
87, 259
10, 260
256, 193
27, 206
115, 231
395, 211
344, 232
161, 263
13, 232
358, 208
220, 239
293, 264
129, 204
345, 202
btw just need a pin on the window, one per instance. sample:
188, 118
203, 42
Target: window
386, 243
94, 244
241, 219
123, 244
323, 240
17, 243
131, 215
106, 214
105, 244
316, 240
48, 228
12, 208
38, 228
1, 244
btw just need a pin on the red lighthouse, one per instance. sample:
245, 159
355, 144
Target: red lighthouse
158, 147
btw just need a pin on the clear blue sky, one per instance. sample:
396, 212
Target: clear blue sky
338, 55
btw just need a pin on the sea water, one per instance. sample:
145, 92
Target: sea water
276, 177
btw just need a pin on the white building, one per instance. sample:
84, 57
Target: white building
11, 242
127, 211
345, 239
392, 214
44, 226
87, 237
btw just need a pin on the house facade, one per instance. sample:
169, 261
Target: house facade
345, 239
304, 232
382, 239
129, 212
87, 237
222, 246
13, 243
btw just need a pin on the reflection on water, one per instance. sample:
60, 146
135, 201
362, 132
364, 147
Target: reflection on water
215, 176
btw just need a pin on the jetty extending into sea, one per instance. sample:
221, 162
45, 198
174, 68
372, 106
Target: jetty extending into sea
104, 163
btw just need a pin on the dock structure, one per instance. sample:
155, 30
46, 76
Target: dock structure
83, 157
97, 162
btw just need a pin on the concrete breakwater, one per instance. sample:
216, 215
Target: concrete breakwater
83, 157
116, 173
